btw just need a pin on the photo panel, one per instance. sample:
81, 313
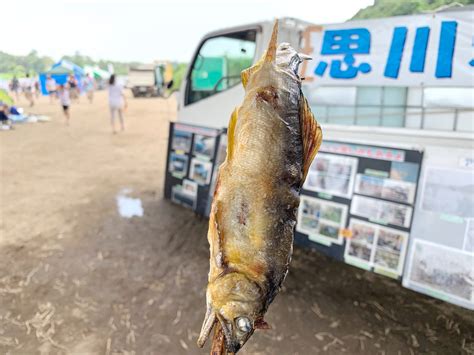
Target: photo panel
442, 271
379, 187
321, 220
390, 250
360, 246
179, 196
332, 174
181, 141
200, 171
204, 146
382, 211
178, 165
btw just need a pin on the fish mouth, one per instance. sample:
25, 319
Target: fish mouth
233, 342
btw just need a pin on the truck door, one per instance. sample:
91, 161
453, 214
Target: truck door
211, 89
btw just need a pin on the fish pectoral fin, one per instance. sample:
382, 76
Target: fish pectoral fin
261, 324
312, 135
231, 134
209, 321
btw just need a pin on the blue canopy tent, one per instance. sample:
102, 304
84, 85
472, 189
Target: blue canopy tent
60, 72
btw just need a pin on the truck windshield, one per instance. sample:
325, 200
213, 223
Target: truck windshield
218, 64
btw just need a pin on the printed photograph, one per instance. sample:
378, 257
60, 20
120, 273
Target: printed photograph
389, 189
190, 187
178, 164
329, 231
365, 207
448, 191
384, 211
200, 171
401, 191
404, 171
387, 260
391, 240
333, 213
180, 197
362, 233
204, 145
321, 219
359, 251
181, 141
369, 185
332, 174
442, 269
308, 215
390, 249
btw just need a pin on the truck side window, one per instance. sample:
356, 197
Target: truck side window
218, 64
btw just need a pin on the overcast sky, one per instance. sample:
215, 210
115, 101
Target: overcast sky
144, 30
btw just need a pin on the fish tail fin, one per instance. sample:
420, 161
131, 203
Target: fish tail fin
272, 46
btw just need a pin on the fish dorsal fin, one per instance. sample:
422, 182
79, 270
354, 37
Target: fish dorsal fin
231, 134
270, 55
247, 73
312, 135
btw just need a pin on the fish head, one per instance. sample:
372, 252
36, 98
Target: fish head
288, 58
236, 303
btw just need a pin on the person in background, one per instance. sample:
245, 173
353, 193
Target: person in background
73, 87
89, 87
28, 88
15, 87
117, 103
5, 122
65, 100
37, 88
51, 88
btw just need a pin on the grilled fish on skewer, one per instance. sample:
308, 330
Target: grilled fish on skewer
272, 140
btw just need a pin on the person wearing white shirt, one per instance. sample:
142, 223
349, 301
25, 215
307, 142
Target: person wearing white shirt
117, 103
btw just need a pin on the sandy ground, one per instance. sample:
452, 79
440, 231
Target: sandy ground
76, 278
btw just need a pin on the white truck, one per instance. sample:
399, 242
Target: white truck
146, 80
400, 83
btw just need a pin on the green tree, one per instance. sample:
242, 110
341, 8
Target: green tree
387, 8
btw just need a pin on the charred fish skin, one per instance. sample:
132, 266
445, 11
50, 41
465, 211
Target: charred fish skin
273, 138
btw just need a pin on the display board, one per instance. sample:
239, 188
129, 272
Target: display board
357, 204
441, 256
190, 165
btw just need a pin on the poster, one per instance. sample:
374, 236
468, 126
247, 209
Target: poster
390, 189
178, 165
204, 146
200, 171
448, 192
332, 174
374, 246
181, 141
441, 271
321, 220
381, 211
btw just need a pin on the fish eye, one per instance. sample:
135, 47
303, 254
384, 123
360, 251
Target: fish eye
243, 324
